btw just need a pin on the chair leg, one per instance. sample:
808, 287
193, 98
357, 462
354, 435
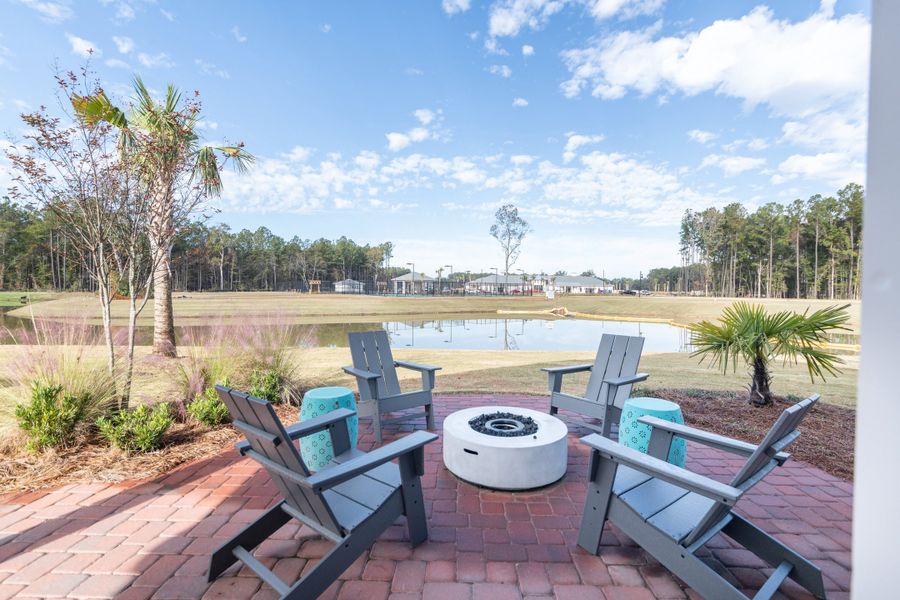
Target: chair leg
330, 567
413, 500
248, 538
429, 416
602, 475
376, 424
774, 552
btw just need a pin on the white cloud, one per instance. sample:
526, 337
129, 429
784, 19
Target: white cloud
325, 28
429, 128
527, 50
397, 141
828, 131
82, 47
625, 9
342, 203
413, 72
209, 125
794, 68
757, 144
298, 154
211, 69
236, 32
521, 159
491, 46
115, 63
574, 141
702, 137
124, 12
155, 61
500, 70
451, 7
168, 16
732, 165
520, 102
51, 12
123, 44
424, 116
837, 168
5, 54
509, 17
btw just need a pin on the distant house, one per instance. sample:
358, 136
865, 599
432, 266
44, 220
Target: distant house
349, 286
577, 284
413, 283
499, 284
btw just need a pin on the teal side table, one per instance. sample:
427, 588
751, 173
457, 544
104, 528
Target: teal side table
637, 435
316, 449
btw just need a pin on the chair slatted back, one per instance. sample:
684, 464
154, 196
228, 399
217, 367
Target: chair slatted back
371, 351
617, 356
264, 431
761, 462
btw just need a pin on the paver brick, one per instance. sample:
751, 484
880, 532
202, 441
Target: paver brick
152, 539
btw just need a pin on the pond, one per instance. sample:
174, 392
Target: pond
463, 333
532, 334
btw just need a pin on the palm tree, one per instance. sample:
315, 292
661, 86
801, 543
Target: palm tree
177, 171
748, 332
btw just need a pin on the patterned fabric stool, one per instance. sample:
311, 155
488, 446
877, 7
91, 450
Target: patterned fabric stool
316, 448
637, 435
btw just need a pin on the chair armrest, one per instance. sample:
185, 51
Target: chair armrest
620, 381
427, 372
415, 366
660, 469
706, 438
361, 373
568, 369
314, 425
555, 375
332, 476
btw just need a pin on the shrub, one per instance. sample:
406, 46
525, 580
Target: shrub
136, 430
52, 416
209, 409
267, 384
58, 354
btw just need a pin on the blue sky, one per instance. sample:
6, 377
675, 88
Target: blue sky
603, 120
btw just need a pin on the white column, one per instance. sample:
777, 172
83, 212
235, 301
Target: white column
876, 508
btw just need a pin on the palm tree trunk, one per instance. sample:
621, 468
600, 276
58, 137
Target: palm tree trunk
760, 394
163, 321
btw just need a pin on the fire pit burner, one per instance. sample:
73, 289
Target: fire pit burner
504, 424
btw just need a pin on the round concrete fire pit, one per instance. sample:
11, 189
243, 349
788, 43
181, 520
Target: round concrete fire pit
505, 448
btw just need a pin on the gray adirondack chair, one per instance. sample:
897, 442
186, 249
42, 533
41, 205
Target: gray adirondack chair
379, 389
613, 374
350, 502
672, 512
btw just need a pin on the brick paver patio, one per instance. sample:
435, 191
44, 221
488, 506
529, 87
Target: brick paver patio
152, 539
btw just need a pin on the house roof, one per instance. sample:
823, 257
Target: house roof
411, 275
580, 280
499, 280
348, 282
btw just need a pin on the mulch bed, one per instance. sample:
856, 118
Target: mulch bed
826, 434
826, 442
92, 460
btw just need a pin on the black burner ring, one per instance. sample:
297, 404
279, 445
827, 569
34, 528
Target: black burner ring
503, 424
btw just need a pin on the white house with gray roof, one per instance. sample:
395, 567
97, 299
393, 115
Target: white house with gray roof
575, 284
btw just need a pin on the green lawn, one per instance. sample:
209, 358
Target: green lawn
8, 299
463, 370
195, 308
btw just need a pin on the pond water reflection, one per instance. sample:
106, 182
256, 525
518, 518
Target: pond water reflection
464, 334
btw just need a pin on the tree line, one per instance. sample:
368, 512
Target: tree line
36, 252
807, 249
